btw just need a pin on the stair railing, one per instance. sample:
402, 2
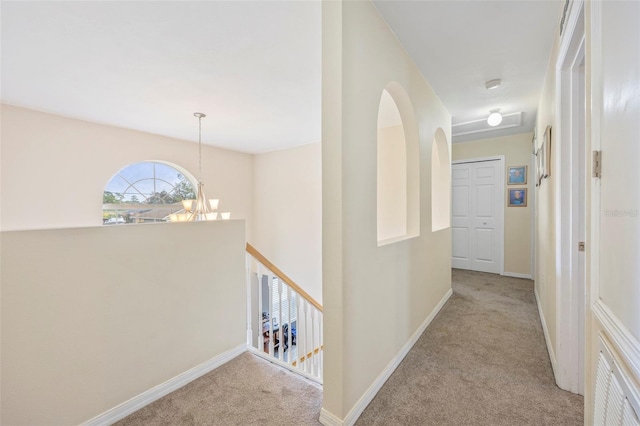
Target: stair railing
284, 323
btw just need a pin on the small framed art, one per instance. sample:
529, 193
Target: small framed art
539, 165
543, 160
517, 197
547, 152
517, 175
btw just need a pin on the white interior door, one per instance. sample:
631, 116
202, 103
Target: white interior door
476, 216
461, 216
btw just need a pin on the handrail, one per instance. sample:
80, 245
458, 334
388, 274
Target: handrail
260, 258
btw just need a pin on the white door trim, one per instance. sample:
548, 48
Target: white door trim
596, 102
501, 196
534, 205
570, 289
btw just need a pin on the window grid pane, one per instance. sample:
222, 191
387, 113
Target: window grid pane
145, 192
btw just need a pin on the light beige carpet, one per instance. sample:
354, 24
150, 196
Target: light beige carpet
482, 361
245, 391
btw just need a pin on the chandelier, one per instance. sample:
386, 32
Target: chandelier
200, 208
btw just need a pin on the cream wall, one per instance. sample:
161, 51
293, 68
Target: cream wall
375, 298
612, 50
517, 151
51, 165
619, 139
92, 317
545, 237
288, 213
440, 182
392, 183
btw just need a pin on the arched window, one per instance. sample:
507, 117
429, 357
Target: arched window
145, 192
398, 175
440, 182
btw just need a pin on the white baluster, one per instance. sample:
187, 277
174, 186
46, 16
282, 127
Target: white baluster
288, 345
315, 343
312, 339
280, 339
270, 284
298, 341
321, 344
308, 338
259, 276
302, 335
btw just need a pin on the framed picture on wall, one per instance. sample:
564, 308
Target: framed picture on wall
517, 175
544, 157
546, 143
517, 197
540, 165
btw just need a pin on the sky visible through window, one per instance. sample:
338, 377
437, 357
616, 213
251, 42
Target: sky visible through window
145, 192
140, 181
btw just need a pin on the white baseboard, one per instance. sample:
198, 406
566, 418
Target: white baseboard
134, 404
625, 344
552, 355
517, 275
317, 381
328, 419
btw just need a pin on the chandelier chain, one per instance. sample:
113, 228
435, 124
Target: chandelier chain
200, 148
200, 208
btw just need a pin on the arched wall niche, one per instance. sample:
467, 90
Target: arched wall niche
398, 167
440, 182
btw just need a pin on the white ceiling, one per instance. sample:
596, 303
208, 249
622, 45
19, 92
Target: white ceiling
255, 67
460, 45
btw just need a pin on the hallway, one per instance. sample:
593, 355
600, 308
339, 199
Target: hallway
482, 361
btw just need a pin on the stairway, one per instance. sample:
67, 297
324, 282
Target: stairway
284, 323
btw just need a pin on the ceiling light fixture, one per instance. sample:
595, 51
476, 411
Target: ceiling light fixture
494, 118
493, 84
204, 209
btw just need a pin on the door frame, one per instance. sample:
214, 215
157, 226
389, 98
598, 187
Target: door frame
501, 185
533, 167
570, 132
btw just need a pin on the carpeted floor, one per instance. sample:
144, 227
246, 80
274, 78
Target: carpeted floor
482, 361
245, 391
